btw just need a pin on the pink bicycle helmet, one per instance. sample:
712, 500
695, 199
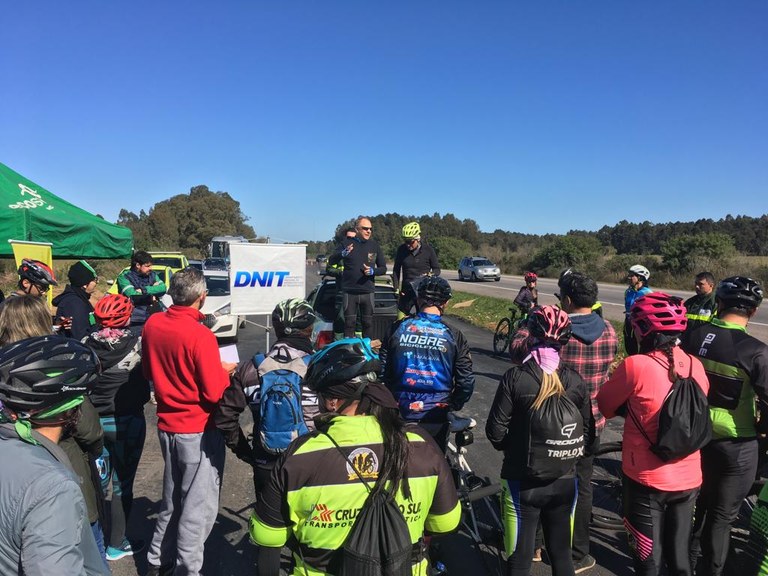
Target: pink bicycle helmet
657, 312
551, 324
530, 277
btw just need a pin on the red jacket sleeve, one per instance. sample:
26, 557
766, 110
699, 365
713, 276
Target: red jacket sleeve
212, 378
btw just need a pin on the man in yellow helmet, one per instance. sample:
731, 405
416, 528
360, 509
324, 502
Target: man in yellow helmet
415, 259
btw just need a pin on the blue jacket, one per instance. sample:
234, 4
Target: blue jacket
630, 295
428, 367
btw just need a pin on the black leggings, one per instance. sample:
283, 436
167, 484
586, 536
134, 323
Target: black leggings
522, 504
269, 558
729, 467
658, 526
353, 302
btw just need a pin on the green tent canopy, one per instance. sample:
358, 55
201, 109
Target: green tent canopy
29, 212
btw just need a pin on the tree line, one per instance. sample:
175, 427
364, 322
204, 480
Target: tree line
673, 251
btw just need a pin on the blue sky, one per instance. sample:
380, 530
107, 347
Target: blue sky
527, 116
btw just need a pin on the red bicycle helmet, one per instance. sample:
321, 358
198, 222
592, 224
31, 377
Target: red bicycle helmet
37, 272
657, 312
113, 311
530, 277
551, 324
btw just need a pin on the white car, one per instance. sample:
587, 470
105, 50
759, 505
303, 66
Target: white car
218, 305
478, 268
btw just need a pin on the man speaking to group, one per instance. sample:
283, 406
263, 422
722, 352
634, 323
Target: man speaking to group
362, 259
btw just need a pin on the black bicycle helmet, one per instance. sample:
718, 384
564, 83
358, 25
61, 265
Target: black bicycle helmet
434, 289
563, 275
37, 272
340, 362
739, 292
40, 372
292, 314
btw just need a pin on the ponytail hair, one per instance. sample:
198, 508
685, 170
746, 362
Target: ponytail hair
394, 463
550, 385
663, 342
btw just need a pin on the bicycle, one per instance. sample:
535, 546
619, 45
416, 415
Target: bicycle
607, 512
481, 517
506, 328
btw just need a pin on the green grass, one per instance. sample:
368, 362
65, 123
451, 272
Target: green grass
486, 311
483, 311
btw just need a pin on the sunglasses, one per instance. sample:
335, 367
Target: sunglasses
368, 228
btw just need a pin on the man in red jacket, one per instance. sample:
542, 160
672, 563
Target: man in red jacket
181, 357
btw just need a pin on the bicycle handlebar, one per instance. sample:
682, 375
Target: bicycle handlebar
484, 492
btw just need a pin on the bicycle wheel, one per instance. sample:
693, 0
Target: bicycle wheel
483, 525
503, 336
607, 511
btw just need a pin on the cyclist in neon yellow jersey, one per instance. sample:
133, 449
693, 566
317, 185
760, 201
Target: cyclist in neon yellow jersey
737, 367
314, 495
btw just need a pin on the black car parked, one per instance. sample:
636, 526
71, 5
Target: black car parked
323, 299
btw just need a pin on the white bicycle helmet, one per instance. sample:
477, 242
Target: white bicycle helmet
640, 271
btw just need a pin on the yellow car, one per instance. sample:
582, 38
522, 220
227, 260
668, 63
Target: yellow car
174, 260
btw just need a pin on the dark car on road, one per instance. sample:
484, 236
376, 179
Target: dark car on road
323, 299
321, 259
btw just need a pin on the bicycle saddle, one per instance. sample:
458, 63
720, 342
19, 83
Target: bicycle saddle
459, 424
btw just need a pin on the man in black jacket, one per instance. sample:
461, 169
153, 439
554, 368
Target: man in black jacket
415, 259
362, 259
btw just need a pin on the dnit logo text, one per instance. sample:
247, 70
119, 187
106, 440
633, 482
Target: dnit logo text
265, 279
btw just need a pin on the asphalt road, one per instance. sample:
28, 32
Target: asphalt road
611, 296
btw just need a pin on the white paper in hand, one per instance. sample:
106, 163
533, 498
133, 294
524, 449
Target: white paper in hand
229, 353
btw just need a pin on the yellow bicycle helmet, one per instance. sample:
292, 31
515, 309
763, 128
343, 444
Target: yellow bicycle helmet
411, 230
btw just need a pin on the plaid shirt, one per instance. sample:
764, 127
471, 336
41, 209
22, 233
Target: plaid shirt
591, 361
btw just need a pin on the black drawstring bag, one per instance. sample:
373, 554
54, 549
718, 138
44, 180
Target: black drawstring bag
684, 422
379, 543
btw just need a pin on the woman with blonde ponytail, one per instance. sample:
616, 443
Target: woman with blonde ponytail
535, 488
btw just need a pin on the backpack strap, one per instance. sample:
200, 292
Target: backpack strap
637, 425
301, 554
258, 359
348, 461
